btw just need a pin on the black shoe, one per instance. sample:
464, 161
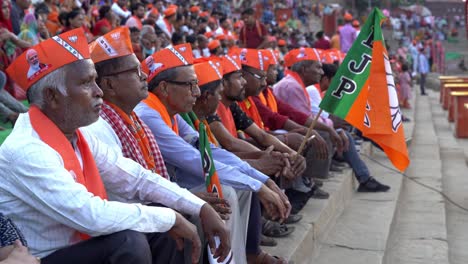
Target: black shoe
317, 193
372, 185
424, 94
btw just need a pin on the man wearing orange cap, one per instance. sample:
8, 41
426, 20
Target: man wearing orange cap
247, 118
210, 81
216, 49
347, 33
173, 89
55, 179
167, 23
120, 127
306, 70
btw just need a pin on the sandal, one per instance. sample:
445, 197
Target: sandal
267, 241
265, 258
275, 229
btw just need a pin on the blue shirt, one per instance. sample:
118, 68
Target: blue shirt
423, 64
180, 152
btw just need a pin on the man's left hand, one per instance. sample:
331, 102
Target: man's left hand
213, 227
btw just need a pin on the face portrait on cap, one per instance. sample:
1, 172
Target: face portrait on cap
34, 65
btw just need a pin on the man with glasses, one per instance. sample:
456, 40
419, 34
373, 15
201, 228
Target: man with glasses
238, 112
173, 90
124, 86
59, 187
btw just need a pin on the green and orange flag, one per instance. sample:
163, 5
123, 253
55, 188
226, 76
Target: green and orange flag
209, 170
363, 92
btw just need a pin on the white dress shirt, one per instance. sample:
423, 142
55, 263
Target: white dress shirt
178, 198
49, 207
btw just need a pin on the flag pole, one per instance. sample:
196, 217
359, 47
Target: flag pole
309, 133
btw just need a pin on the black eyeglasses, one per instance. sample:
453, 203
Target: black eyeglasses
258, 77
192, 84
137, 70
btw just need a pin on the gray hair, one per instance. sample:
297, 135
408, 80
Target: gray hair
147, 29
54, 80
296, 67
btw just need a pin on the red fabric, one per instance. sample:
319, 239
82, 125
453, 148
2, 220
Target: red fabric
99, 25
225, 114
270, 119
52, 136
249, 107
252, 37
322, 44
138, 142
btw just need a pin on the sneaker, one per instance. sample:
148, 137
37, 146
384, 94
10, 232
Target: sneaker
372, 185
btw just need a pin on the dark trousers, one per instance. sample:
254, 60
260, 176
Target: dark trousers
255, 227
422, 83
125, 247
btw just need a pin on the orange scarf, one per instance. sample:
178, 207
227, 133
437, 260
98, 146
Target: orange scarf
224, 112
168, 26
154, 103
249, 107
270, 99
210, 135
52, 136
139, 134
301, 83
138, 20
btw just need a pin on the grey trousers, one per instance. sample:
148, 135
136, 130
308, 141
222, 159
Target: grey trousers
238, 221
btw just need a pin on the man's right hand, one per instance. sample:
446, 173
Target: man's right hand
220, 205
272, 203
183, 229
20, 255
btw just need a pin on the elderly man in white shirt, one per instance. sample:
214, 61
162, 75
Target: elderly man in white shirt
53, 179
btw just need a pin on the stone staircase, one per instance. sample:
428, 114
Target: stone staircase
348, 226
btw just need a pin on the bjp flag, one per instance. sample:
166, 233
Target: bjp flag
363, 92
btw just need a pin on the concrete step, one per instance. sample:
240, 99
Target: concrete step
454, 184
419, 232
317, 217
323, 217
361, 232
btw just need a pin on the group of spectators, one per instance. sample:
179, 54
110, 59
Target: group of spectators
108, 164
